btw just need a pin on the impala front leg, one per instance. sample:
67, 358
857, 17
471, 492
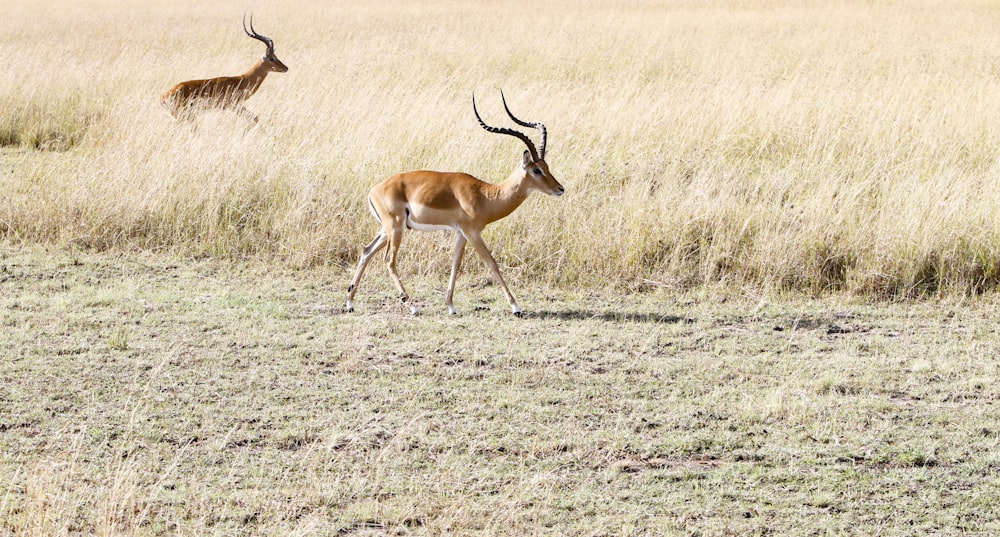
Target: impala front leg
487, 257
246, 114
456, 263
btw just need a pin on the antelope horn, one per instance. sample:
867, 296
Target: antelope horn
510, 132
253, 33
538, 126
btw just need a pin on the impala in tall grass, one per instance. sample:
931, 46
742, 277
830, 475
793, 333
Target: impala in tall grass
185, 99
431, 201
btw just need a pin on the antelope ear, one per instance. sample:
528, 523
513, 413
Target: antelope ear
526, 160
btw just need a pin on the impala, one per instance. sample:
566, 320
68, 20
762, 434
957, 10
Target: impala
224, 92
431, 201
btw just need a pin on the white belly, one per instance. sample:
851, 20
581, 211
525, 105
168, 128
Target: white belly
427, 227
413, 217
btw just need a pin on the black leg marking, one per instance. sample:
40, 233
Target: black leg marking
374, 211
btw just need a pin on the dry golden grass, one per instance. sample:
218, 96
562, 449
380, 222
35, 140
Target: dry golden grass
762, 146
802, 145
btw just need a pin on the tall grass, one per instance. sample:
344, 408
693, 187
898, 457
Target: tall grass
813, 146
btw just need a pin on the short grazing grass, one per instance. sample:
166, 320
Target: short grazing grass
149, 396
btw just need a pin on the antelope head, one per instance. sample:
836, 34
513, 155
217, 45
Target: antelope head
536, 171
269, 59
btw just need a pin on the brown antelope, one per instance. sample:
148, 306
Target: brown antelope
430, 201
224, 92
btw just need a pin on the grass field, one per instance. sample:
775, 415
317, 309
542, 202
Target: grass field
766, 305
149, 396
811, 146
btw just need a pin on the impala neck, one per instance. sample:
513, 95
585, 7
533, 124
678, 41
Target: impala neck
252, 79
508, 195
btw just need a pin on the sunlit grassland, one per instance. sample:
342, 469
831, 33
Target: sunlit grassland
812, 146
701, 354
144, 395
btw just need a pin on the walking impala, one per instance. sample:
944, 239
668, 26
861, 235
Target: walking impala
224, 92
430, 201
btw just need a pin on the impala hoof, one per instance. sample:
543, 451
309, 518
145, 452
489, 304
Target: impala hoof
349, 307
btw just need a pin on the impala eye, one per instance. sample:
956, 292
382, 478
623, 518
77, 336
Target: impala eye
537, 171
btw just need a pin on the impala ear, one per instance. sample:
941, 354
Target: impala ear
526, 160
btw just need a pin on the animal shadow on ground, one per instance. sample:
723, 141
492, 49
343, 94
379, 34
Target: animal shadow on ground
610, 316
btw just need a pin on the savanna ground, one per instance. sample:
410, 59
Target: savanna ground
147, 396
766, 305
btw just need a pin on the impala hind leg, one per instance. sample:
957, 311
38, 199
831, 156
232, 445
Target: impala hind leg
366, 255
246, 114
183, 113
395, 238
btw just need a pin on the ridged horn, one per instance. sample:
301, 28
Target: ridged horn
253, 33
539, 126
510, 132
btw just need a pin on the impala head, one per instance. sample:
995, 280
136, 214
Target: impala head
272, 61
533, 161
